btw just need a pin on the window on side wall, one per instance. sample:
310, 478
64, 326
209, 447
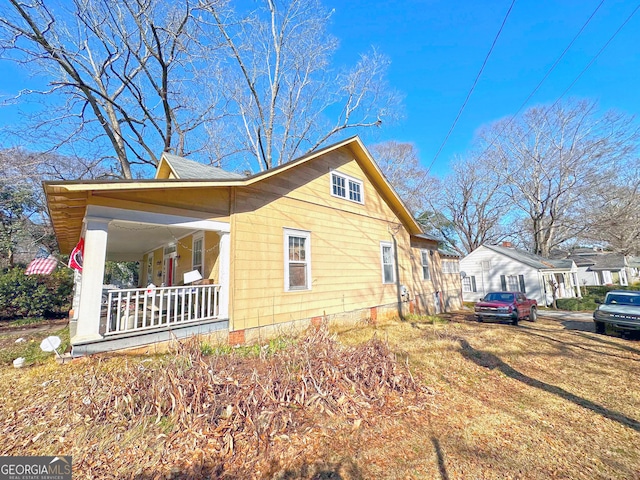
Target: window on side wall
426, 274
346, 187
150, 268
450, 266
197, 253
297, 260
388, 263
469, 284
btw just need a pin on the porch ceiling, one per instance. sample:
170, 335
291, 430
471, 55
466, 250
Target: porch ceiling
128, 241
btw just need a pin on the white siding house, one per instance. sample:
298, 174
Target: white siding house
491, 268
596, 267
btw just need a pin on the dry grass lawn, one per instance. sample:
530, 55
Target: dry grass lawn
482, 401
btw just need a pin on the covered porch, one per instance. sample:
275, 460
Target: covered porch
182, 287
561, 284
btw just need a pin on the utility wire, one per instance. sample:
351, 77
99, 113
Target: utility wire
546, 75
615, 34
472, 87
593, 59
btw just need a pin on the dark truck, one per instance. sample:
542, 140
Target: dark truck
510, 306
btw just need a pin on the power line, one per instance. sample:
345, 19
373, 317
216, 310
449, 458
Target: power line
597, 54
582, 72
546, 75
504, 21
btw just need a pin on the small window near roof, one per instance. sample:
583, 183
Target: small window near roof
346, 187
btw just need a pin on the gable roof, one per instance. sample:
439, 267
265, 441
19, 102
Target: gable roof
67, 200
608, 261
534, 261
183, 168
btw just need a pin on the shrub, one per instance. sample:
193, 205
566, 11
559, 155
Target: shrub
577, 304
35, 295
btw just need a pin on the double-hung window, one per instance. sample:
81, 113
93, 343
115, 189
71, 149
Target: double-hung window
196, 257
150, 267
450, 266
426, 274
513, 283
346, 187
388, 263
297, 260
469, 284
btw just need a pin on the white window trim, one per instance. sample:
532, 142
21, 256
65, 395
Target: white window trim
450, 266
150, 261
347, 179
197, 236
424, 255
292, 232
393, 263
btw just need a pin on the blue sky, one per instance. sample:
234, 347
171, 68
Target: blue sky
437, 48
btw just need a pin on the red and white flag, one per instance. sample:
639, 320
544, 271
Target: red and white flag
43, 264
75, 260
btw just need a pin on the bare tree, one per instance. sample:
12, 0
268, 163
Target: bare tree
552, 160
401, 166
616, 217
281, 88
23, 210
474, 202
122, 68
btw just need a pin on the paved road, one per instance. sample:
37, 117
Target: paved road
583, 321
564, 315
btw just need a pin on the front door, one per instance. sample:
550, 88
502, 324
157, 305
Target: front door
168, 270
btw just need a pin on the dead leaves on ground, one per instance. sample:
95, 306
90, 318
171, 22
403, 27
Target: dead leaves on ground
192, 416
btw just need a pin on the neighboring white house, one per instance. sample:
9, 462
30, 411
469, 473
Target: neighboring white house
596, 267
491, 268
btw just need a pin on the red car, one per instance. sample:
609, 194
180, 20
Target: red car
511, 306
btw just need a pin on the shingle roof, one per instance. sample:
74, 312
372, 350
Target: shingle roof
534, 261
428, 236
633, 261
189, 169
448, 252
608, 261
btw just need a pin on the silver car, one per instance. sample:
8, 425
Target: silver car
621, 309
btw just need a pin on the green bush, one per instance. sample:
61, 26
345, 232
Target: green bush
600, 291
577, 304
35, 295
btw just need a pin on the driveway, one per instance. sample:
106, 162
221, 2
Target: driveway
583, 321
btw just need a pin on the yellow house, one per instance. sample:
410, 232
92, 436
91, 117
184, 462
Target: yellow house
322, 237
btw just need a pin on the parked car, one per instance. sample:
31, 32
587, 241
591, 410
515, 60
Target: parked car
511, 306
621, 309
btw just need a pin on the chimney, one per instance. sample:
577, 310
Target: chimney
507, 244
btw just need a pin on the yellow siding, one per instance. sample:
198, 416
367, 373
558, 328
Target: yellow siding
183, 250
346, 272
144, 274
211, 255
158, 256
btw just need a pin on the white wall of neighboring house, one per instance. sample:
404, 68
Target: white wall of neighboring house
586, 277
485, 267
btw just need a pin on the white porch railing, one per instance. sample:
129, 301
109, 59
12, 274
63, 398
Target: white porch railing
140, 309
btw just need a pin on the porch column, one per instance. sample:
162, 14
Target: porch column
224, 263
95, 249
